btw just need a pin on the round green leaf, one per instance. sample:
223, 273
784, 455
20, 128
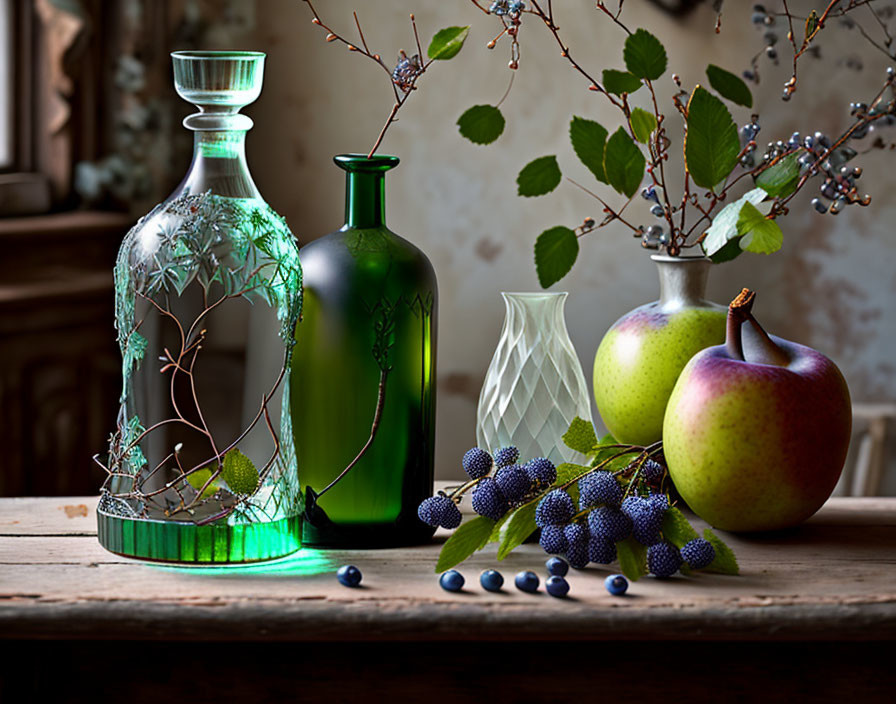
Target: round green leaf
446, 43
643, 124
588, 141
724, 226
555, 253
539, 177
759, 234
624, 163
729, 86
780, 180
644, 55
619, 82
481, 124
711, 144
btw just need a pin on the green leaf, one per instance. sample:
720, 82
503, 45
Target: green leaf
729, 86
495, 536
466, 540
643, 124
677, 529
520, 527
567, 471
588, 141
239, 472
481, 124
580, 436
724, 225
811, 26
780, 179
729, 251
555, 253
711, 144
759, 234
198, 479
644, 55
538, 177
725, 562
619, 82
446, 43
632, 558
623, 163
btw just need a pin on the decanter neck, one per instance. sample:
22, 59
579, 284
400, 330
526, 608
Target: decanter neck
219, 165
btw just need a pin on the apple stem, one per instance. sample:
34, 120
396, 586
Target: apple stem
740, 311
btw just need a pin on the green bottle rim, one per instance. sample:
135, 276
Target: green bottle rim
360, 162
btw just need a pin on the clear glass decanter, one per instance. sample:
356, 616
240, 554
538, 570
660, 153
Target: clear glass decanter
534, 386
201, 465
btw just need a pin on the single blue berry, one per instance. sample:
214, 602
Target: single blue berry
557, 566
451, 517
451, 581
557, 586
552, 540
513, 481
646, 519
652, 472
488, 500
599, 488
477, 463
576, 545
659, 503
663, 559
349, 576
601, 551
616, 584
506, 456
439, 511
541, 471
491, 580
609, 523
430, 511
527, 582
698, 553
555, 509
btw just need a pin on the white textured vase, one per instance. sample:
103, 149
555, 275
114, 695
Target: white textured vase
534, 387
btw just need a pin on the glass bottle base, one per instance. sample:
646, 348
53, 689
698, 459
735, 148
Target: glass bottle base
169, 541
364, 535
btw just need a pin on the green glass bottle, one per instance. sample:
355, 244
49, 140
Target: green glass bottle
363, 381
201, 466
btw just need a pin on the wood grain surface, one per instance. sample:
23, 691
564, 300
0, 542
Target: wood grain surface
809, 619
832, 579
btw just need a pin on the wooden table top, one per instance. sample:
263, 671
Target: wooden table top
832, 579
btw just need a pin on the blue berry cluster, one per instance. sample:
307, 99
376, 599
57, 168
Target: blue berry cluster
499, 484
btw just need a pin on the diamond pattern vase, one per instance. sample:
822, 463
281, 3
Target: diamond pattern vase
534, 387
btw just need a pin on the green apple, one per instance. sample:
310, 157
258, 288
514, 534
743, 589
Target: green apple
757, 429
639, 360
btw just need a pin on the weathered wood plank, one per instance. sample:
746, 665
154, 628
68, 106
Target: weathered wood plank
70, 515
833, 578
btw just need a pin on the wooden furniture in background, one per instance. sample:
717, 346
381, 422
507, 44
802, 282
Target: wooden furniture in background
59, 363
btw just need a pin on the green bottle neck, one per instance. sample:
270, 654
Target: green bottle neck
365, 188
365, 199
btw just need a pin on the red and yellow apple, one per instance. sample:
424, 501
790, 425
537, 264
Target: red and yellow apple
756, 430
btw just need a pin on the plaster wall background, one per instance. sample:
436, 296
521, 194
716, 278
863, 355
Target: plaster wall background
831, 286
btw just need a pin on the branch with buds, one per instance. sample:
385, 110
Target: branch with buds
408, 69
